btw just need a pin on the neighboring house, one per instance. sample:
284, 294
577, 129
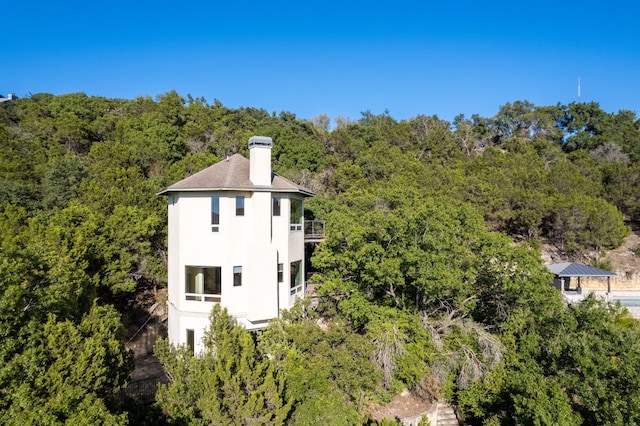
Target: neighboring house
235, 238
10, 97
564, 272
576, 281
568, 277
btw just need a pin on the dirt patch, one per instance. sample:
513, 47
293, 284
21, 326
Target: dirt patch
624, 260
147, 368
406, 404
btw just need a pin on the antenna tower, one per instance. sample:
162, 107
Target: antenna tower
578, 89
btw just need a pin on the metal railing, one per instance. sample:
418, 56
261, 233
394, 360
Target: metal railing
199, 297
314, 230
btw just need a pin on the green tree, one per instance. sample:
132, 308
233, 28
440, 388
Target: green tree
66, 373
330, 375
594, 354
578, 366
231, 382
577, 223
62, 180
620, 182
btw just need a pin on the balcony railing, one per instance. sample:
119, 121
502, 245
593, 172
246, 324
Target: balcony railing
297, 289
314, 231
199, 297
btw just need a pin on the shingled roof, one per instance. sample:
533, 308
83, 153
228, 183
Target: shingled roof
231, 174
570, 269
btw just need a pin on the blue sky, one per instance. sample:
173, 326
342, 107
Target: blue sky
329, 57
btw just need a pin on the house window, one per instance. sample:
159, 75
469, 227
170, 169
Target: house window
240, 205
191, 340
237, 276
215, 213
296, 277
295, 219
203, 283
276, 206
280, 272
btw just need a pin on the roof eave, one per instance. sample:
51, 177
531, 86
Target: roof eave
561, 275
304, 192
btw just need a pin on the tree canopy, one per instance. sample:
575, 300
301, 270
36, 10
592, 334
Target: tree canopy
430, 277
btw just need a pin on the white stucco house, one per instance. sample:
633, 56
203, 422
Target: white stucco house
236, 237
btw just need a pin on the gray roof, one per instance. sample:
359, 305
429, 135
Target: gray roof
570, 269
232, 174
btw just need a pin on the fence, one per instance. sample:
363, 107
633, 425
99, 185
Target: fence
143, 389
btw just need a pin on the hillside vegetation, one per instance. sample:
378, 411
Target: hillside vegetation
430, 278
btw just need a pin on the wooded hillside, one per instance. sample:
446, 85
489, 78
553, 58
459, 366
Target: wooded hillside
430, 278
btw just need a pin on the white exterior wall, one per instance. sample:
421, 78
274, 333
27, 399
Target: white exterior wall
262, 301
280, 226
194, 244
296, 243
256, 241
290, 246
173, 273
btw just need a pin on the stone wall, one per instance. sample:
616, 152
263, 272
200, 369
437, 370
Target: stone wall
600, 284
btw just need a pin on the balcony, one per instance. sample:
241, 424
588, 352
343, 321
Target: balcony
199, 297
314, 231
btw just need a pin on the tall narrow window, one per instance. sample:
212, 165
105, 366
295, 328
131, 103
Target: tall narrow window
215, 213
296, 277
240, 205
237, 276
280, 272
295, 219
191, 341
203, 283
276, 206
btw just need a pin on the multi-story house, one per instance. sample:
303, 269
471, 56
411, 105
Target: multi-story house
236, 238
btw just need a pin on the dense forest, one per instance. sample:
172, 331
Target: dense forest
430, 278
